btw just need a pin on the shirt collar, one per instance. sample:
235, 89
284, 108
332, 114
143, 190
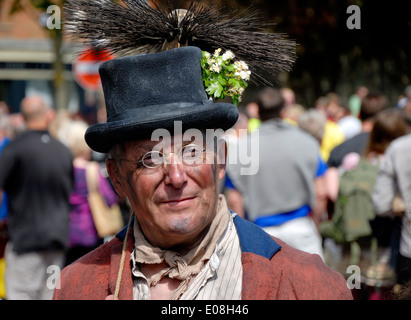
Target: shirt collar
252, 238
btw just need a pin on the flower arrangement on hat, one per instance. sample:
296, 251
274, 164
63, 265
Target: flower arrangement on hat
224, 77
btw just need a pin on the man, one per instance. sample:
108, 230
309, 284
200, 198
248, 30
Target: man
287, 187
183, 241
36, 172
370, 106
393, 182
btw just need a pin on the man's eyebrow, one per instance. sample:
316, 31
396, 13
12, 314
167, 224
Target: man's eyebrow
141, 149
150, 147
144, 147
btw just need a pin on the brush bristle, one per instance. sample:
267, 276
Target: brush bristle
134, 27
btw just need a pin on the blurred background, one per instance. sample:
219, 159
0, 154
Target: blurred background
331, 57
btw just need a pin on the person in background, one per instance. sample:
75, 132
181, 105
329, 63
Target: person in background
252, 114
333, 136
234, 199
349, 125
392, 186
83, 235
282, 195
37, 173
404, 99
313, 121
406, 112
292, 110
371, 105
354, 103
5, 136
289, 96
292, 113
4, 140
388, 125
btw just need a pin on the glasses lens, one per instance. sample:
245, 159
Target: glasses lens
191, 153
153, 159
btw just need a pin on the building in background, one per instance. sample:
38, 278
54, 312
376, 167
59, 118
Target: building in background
27, 58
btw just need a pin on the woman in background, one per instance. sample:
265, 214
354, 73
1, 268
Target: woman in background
83, 234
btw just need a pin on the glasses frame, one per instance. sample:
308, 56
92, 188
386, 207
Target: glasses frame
161, 155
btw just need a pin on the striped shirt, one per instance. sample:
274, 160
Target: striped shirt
219, 279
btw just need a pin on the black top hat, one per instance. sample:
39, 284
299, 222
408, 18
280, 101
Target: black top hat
150, 91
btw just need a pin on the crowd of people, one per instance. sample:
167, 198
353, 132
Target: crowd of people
304, 154
45, 218
300, 193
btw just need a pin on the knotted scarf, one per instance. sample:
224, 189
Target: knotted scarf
182, 267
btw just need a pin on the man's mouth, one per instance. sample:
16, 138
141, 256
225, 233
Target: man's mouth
178, 201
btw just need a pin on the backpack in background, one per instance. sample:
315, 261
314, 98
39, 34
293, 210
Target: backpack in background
353, 208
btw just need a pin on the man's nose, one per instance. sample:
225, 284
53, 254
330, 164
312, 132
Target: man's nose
175, 174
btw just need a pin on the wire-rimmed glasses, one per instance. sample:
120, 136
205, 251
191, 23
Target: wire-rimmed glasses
190, 154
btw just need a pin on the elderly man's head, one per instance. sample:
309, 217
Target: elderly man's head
172, 186
171, 183
36, 113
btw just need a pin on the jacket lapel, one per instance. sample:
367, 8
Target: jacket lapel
257, 248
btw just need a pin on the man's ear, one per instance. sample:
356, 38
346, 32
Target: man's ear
114, 174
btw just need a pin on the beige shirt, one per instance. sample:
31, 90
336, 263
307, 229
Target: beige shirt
219, 279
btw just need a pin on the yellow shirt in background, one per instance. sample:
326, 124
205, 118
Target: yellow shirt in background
333, 136
253, 123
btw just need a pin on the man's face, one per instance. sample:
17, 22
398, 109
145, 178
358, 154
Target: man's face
174, 203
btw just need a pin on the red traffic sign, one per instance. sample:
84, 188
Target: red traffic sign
85, 68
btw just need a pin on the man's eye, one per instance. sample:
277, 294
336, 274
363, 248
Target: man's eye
140, 164
191, 152
152, 159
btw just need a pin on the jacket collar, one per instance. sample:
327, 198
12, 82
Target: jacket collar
255, 240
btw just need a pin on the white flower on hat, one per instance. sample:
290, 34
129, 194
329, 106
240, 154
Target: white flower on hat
241, 70
216, 67
217, 52
243, 74
228, 55
222, 77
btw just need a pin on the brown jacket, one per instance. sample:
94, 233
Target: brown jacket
272, 270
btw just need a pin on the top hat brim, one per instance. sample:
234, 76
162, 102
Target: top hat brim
138, 125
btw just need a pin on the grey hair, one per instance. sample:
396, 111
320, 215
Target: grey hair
313, 122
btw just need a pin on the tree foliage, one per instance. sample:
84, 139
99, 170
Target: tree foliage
331, 57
